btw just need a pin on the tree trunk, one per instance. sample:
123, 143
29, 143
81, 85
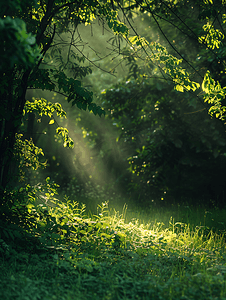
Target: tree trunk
13, 102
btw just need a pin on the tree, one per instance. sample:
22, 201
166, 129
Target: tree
173, 153
37, 60
33, 38
199, 22
181, 155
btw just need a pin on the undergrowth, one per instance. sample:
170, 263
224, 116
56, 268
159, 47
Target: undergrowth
63, 253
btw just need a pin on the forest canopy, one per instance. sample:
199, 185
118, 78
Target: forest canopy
167, 109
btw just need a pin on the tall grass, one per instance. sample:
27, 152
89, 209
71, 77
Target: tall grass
128, 254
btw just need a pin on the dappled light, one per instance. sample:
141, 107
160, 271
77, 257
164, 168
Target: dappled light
112, 150
140, 254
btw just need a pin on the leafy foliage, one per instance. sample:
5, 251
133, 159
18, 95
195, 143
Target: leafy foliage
28, 62
42, 107
27, 155
51, 249
169, 151
19, 46
214, 95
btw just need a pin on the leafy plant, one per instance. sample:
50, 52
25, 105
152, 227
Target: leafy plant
141, 260
31, 65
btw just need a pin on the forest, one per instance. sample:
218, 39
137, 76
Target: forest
113, 149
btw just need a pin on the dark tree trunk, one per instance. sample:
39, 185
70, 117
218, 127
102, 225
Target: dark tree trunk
13, 104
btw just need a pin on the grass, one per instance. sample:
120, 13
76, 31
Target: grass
212, 219
154, 254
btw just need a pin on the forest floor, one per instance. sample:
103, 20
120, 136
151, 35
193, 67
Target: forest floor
111, 256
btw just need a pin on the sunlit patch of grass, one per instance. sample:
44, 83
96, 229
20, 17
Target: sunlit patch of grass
113, 255
212, 219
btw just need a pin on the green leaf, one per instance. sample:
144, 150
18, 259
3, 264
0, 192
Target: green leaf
51, 121
179, 88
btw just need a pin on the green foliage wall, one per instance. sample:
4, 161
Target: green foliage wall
174, 153
165, 133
